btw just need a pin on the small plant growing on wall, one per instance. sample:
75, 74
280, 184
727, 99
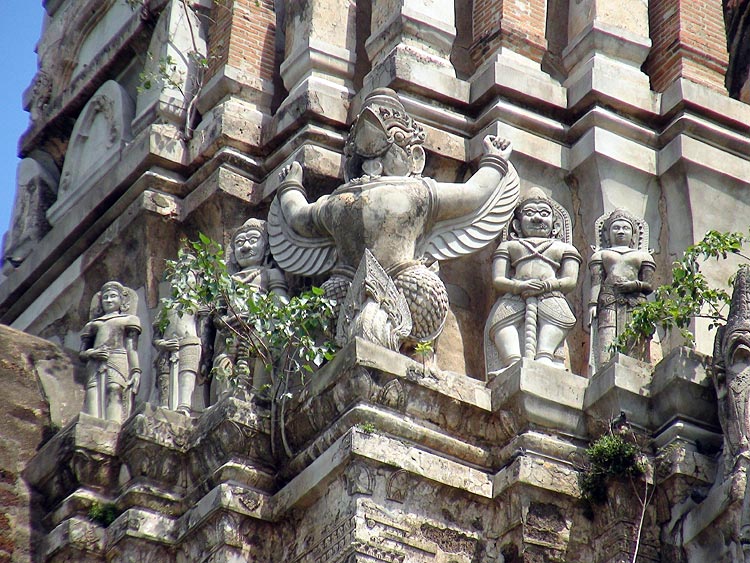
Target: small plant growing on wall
614, 457
609, 457
688, 296
424, 349
290, 337
103, 513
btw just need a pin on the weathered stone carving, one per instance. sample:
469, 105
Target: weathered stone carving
374, 309
388, 208
533, 269
37, 189
109, 345
179, 361
622, 271
250, 259
98, 137
731, 374
41, 94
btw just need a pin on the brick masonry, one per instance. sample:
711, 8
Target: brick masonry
243, 35
516, 25
689, 41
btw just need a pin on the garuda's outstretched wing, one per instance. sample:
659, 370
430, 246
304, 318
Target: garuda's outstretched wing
469, 233
307, 256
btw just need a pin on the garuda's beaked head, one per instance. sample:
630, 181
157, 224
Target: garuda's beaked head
384, 140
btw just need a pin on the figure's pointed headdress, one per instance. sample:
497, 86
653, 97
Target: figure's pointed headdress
382, 122
562, 227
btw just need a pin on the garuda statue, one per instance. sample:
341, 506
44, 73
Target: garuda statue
407, 223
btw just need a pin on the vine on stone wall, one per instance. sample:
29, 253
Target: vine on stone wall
688, 296
291, 338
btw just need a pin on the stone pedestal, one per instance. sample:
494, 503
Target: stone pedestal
410, 46
392, 460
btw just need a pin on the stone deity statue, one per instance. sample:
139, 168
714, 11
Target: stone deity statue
178, 361
622, 271
250, 264
533, 269
109, 345
404, 220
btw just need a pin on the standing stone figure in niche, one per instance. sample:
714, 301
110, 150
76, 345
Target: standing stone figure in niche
109, 346
251, 264
404, 220
532, 271
178, 362
622, 271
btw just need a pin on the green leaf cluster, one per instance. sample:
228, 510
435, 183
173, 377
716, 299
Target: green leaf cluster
688, 296
103, 514
610, 456
290, 336
165, 76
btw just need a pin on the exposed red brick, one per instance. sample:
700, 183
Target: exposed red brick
243, 34
688, 41
518, 25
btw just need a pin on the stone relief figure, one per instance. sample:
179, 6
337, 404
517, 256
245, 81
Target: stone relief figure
533, 269
109, 346
178, 361
37, 190
251, 264
622, 272
406, 221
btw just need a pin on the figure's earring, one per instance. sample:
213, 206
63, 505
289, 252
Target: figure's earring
418, 159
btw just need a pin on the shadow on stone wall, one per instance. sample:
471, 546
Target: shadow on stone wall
40, 391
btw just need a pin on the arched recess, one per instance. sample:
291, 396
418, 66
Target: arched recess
99, 135
172, 71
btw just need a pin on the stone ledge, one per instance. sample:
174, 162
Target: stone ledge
550, 475
408, 69
622, 385
77, 538
368, 384
541, 395
82, 454
679, 461
681, 388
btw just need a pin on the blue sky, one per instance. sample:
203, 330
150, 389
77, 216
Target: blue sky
20, 29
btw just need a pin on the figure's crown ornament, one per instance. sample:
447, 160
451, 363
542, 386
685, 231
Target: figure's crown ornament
562, 227
129, 303
382, 122
640, 228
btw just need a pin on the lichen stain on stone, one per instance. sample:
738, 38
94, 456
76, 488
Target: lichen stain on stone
451, 541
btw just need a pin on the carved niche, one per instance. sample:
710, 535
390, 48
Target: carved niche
99, 136
36, 187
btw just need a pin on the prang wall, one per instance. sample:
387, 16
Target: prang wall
607, 104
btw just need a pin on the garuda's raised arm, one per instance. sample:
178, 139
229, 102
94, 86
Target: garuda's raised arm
471, 215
